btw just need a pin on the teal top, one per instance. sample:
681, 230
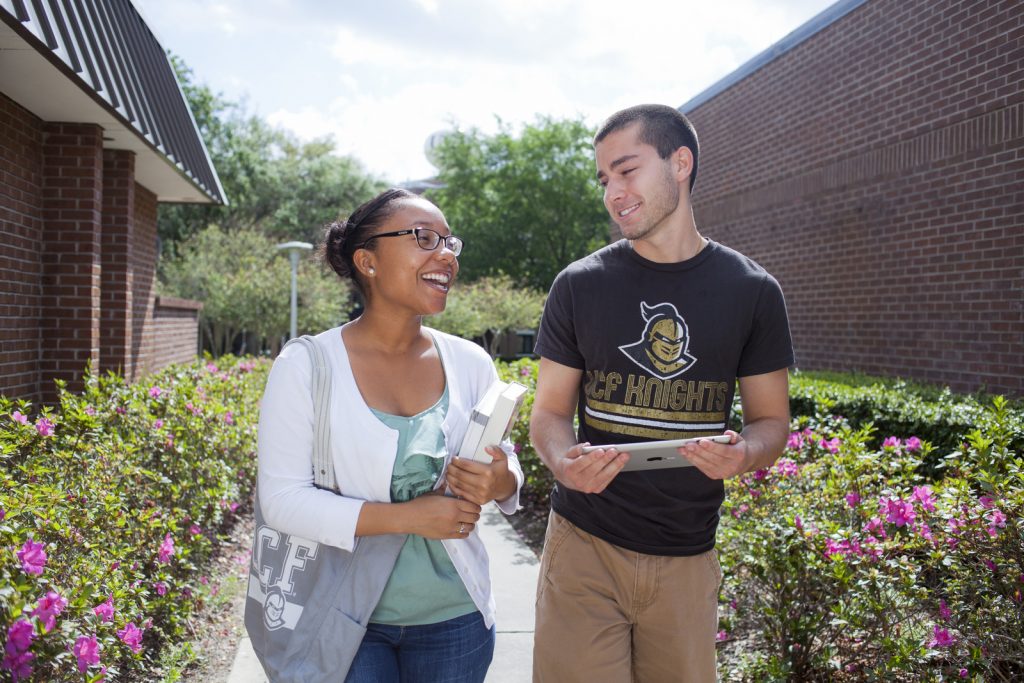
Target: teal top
424, 587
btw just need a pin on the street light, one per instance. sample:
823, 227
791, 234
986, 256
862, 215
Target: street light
293, 249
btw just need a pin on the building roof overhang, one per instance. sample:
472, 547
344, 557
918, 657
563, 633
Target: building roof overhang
76, 61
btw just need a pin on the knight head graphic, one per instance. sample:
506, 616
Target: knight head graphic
662, 349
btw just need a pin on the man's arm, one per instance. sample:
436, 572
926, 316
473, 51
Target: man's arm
551, 432
765, 400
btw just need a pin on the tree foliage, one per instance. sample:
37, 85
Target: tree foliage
487, 308
244, 283
526, 205
275, 184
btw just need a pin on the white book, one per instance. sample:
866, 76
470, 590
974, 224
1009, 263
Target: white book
492, 419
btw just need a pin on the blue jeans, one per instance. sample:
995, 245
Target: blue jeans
455, 651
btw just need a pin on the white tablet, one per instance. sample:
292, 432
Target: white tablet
656, 455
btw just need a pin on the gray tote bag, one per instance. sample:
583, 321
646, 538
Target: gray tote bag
308, 603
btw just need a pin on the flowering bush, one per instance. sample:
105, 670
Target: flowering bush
110, 503
538, 477
842, 560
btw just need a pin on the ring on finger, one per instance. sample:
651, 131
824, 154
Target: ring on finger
462, 528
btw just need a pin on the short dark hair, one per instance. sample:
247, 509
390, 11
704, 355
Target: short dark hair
342, 238
662, 127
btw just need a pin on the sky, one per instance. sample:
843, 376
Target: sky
381, 76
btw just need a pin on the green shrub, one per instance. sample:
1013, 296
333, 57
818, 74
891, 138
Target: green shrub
843, 562
110, 504
538, 477
899, 407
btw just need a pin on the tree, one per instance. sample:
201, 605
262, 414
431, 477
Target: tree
487, 308
244, 283
527, 206
274, 183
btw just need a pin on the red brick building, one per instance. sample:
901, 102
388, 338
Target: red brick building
873, 161
94, 133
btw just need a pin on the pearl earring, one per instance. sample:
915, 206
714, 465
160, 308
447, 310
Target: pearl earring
372, 271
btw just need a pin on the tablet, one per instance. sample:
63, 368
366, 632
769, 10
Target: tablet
656, 455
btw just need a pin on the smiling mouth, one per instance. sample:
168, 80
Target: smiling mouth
628, 210
440, 280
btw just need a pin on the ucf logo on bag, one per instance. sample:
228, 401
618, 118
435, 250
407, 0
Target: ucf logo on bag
282, 606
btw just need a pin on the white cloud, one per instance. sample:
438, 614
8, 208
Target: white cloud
381, 77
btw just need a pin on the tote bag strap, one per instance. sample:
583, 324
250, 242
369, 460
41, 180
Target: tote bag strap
323, 467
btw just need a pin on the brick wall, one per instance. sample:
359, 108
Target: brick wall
118, 269
78, 250
21, 139
69, 324
176, 330
144, 255
876, 169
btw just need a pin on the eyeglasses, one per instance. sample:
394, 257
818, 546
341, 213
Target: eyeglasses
426, 238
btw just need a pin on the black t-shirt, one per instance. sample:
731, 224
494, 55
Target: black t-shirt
660, 346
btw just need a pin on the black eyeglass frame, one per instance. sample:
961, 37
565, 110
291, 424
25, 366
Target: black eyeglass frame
451, 242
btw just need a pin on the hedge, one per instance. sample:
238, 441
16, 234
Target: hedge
110, 506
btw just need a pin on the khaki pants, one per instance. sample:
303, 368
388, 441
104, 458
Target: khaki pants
606, 614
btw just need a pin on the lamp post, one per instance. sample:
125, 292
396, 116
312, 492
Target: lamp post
293, 249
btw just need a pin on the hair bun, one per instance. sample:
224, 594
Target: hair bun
336, 247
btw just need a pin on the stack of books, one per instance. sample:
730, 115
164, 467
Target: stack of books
492, 419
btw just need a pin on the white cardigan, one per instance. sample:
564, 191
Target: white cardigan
363, 449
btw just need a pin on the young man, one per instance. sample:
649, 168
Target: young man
645, 340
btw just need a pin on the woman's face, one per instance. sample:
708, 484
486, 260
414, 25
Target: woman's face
405, 274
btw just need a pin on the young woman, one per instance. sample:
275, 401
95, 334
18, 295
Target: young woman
400, 404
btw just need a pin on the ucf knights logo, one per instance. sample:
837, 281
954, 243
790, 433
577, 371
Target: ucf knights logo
662, 350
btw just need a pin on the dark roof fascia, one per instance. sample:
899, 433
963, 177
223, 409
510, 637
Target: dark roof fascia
131, 67
819, 22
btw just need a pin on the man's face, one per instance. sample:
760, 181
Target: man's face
640, 190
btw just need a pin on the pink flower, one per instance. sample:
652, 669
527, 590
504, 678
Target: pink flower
120, 410
195, 530
87, 649
131, 636
787, 467
233, 506
986, 502
166, 550
898, 512
154, 392
852, 499
721, 636
944, 610
89, 410
32, 557
891, 442
44, 427
210, 367
158, 424
996, 517
923, 495
18, 417
20, 636
991, 565
875, 526
963, 673
832, 446
19, 664
912, 444
105, 610
229, 417
160, 587
798, 523
941, 637
524, 372
3, 513
48, 609
795, 441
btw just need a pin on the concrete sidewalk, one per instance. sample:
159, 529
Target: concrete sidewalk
514, 577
